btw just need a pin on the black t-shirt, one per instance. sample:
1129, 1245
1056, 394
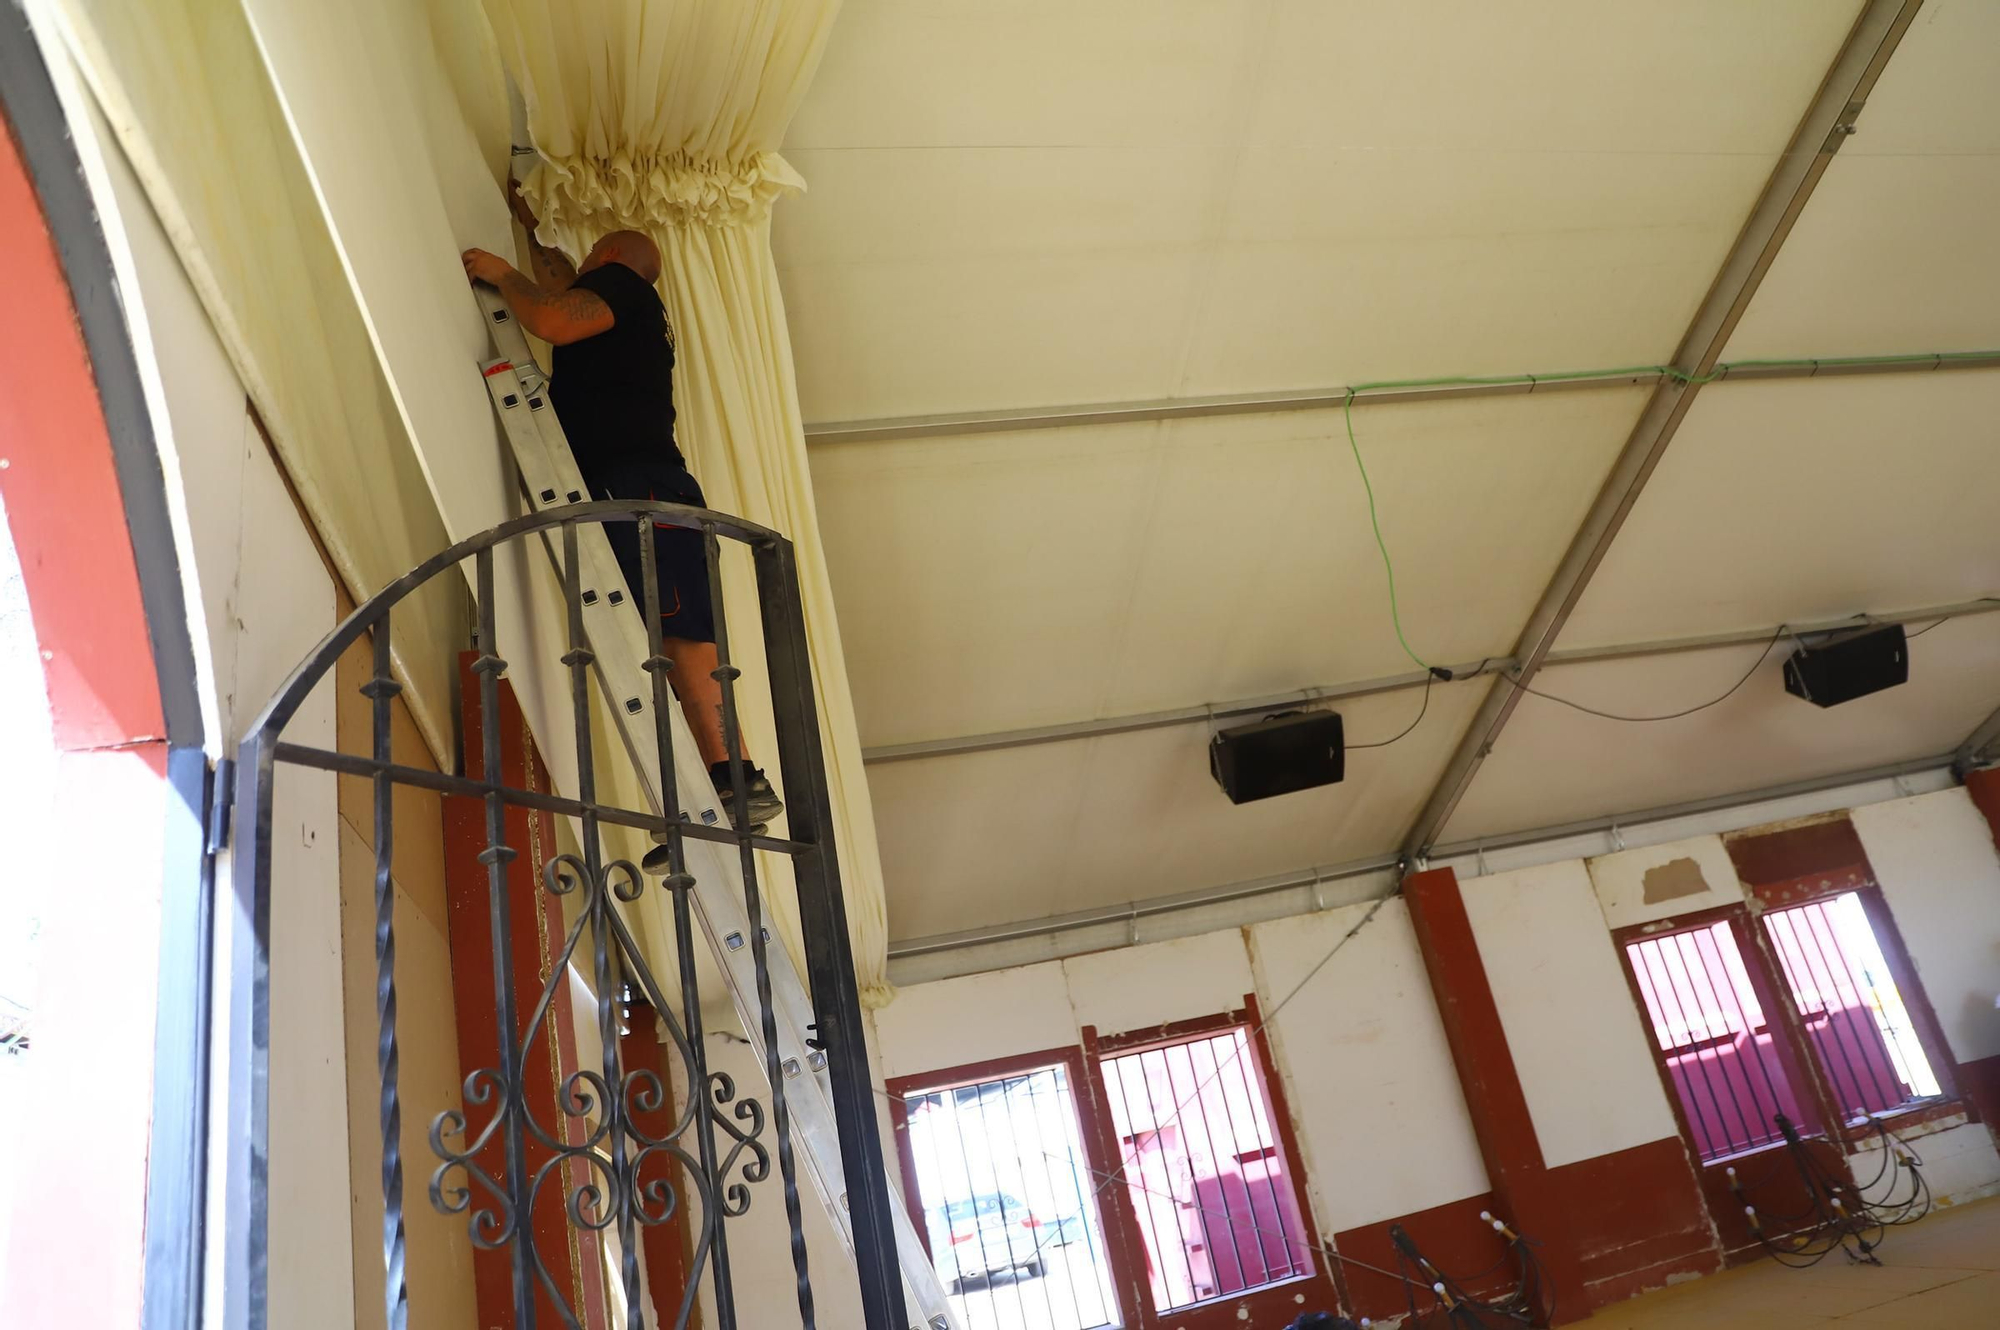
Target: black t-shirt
614, 392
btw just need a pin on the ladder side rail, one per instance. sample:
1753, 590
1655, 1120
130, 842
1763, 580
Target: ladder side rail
551, 478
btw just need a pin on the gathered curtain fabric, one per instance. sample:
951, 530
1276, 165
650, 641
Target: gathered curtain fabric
665, 116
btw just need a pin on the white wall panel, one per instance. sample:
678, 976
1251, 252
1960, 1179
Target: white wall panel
1664, 881
1584, 1061
1135, 988
976, 1018
1366, 1070
382, 165
1960, 1164
1368, 1074
1934, 856
283, 605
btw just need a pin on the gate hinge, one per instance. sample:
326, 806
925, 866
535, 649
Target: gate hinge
221, 798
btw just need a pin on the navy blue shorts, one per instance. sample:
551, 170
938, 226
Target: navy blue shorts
680, 556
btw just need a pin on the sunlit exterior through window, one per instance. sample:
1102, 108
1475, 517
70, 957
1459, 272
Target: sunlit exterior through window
1721, 1052
1204, 1171
1010, 1206
1854, 1015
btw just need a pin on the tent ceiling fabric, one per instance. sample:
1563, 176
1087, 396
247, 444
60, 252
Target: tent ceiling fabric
1052, 204
1002, 580
1805, 500
1025, 833
1896, 252
1555, 765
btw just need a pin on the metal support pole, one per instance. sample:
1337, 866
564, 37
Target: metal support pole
1826, 125
842, 1028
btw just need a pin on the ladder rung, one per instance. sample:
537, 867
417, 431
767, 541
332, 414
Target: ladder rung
550, 478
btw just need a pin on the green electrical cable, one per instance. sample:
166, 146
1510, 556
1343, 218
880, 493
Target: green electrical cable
1388, 565
1570, 375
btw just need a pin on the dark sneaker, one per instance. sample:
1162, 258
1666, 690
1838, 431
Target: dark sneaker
659, 860
763, 801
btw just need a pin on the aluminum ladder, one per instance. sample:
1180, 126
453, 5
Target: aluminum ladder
551, 479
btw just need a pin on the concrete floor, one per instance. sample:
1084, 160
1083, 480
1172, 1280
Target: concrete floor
1940, 1273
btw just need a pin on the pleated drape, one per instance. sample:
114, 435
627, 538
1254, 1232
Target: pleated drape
665, 116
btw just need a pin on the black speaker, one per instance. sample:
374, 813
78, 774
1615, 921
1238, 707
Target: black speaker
1834, 672
1298, 750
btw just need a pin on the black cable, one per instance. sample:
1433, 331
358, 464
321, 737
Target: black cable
1428, 680
1939, 624
1755, 665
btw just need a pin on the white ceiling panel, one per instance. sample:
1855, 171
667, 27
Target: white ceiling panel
1050, 73
1000, 580
924, 337
1896, 252
1562, 76
1808, 500
1036, 204
1350, 265
1025, 833
1554, 765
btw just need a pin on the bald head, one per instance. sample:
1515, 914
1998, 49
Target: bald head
634, 249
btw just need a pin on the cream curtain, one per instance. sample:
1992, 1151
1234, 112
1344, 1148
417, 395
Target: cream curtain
665, 116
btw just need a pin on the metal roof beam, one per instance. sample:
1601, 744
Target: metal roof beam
1315, 878
1298, 697
1827, 123
1978, 746
1332, 399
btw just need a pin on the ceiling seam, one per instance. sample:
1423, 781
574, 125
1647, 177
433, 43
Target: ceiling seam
1827, 122
1247, 94
1028, 736
1551, 835
1392, 393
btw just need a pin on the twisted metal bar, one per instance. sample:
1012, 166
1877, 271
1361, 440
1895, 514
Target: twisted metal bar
679, 883
597, 1145
579, 658
496, 856
726, 674
381, 691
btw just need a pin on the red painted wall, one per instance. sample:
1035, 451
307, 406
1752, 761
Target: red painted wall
1523, 1191
1984, 787
1638, 1219
1452, 1236
536, 925
1635, 1219
63, 502
77, 1243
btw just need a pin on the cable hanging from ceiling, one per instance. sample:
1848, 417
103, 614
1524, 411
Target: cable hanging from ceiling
1680, 376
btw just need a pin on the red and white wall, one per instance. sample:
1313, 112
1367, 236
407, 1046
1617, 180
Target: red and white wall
1398, 1120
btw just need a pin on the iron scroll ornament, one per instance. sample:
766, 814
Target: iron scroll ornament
602, 1159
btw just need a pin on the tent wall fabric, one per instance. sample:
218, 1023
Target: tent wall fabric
184, 88
666, 117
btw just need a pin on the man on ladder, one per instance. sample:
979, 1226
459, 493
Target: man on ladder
613, 389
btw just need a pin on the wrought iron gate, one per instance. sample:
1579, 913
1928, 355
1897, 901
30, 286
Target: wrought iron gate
718, 1144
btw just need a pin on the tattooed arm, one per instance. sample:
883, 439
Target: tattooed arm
553, 270
558, 317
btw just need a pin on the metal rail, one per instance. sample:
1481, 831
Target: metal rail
1827, 123
1301, 697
